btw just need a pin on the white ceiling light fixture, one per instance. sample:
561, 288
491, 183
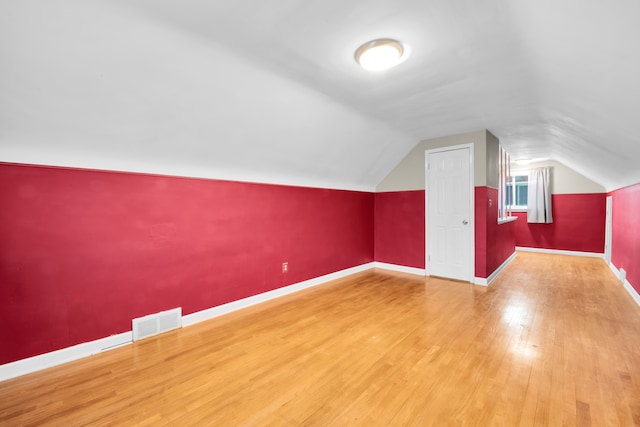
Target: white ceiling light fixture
523, 161
527, 161
381, 54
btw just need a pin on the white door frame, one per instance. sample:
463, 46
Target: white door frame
608, 231
472, 216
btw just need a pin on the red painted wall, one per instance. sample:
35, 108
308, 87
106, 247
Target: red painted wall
578, 224
494, 242
399, 228
83, 252
481, 205
625, 244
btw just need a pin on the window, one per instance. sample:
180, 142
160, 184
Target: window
505, 172
516, 192
513, 189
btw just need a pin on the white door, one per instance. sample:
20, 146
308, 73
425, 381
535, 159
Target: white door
449, 214
608, 233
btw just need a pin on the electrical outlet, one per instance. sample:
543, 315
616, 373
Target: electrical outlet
285, 267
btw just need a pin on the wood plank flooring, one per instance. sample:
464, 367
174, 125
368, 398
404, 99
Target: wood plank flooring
555, 340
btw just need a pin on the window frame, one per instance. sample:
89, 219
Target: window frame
510, 183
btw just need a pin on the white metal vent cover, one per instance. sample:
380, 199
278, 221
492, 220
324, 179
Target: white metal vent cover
156, 323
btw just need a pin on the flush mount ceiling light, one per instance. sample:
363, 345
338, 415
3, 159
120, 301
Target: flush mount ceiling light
523, 161
380, 54
527, 161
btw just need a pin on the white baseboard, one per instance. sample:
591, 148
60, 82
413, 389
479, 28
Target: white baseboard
58, 357
212, 312
614, 269
486, 282
560, 252
422, 272
626, 284
632, 292
400, 268
630, 289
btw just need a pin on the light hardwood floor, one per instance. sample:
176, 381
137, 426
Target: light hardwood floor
555, 340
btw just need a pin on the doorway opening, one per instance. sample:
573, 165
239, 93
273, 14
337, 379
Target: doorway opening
449, 212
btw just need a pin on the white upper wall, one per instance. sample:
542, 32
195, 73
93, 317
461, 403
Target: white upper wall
89, 85
270, 91
564, 180
409, 174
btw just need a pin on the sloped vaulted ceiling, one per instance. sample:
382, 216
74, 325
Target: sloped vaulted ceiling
269, 91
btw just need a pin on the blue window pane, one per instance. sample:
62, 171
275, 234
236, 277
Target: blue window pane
521, 195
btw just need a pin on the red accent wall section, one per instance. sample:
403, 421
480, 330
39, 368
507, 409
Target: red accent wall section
494, 242
625, 245
83, 252
578, 225
481, 204
400, 228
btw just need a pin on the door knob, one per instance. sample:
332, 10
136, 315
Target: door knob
465, 222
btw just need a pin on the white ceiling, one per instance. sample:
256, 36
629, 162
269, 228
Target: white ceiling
268, 90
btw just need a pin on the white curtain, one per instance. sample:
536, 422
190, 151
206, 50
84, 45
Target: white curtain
539, 196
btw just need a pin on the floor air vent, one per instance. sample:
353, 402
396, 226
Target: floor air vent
157, 323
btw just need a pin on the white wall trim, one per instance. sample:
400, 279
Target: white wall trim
212, 312
561, 252
400, 268
614, 269
58, 357
632, 292
507, 219
480, 281
608, 229
422, 272
69, 354
627, 285
486, 282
